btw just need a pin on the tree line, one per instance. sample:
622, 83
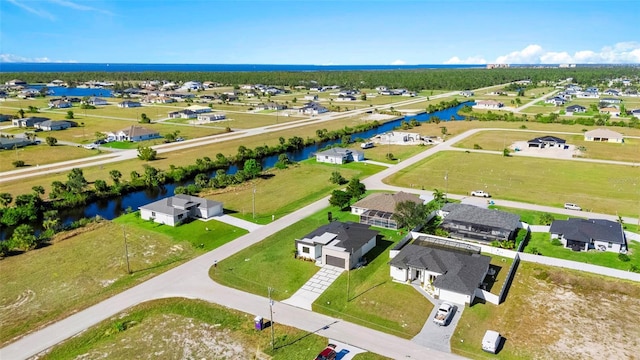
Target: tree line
414, 80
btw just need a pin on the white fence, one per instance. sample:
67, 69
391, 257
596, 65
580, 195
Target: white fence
487, 296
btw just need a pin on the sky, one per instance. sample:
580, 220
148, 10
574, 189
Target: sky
320, 32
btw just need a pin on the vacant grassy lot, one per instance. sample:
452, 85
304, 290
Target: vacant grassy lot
42, 154
43, 285
542, 242
554, 313
599, 187
400, 152
270, 263
287, 190
197, 330
497, 140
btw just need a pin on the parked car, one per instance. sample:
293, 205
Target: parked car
480, 193
570, 206
444, 314
491, 341
366, 145
91, 146
329, 353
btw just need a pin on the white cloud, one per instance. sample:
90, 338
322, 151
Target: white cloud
399, 62
620, 53
470, 60
11, 58
39, 12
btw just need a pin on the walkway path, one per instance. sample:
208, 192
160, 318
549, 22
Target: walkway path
243, 224
312, 289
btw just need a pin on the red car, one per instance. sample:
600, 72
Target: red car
329, 353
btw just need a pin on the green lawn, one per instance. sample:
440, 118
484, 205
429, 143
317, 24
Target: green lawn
597, 187
281, 192
206, 235
542, 242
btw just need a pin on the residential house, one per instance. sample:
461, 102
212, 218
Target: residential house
183, 114
270, 106
28, 122
7, 143
381, 88
548, 142
466, 93
191, 85
53, 125
133, 133
575, 109
212, 117
603, 135
339, 156
199, 109
488, 104
635, 112
311, 97
585, 234
611, 92
471, 222
96, 101
313, 108
60, 104
610, 101
377, 209
448, 270
339, 244
346, 98
5, 117
556, 101
16, 82
588, 94
178, 208
613, 111
129, 104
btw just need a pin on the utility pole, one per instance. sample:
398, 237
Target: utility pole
271, 319
126, 249
446, 186
348, 283
254, 202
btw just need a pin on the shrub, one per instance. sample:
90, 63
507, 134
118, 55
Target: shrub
623, 257
556, 242
19, 163
477, 147
390, 156
546, 219
441, 232
534, 251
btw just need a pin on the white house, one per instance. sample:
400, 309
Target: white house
311, 97
199, 109
313, 108
60, 104
52, 125
586, 234
133, 133
176, 209
448, 270
96, 101
129, 104
488, 104
337, 244
339, 156
603, 135
212, 117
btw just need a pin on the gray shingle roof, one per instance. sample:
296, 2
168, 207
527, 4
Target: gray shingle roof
352, 236
176, 204
462, 272
584, 230
465, 213
547, 139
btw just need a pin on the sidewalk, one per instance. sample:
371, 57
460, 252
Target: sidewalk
312, 289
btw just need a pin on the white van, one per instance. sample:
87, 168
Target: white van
367, 145
491, 341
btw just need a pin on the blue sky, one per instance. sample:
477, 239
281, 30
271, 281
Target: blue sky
344, 32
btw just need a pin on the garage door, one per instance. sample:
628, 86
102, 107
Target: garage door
335, 261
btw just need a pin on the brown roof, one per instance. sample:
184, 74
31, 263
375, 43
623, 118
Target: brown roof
386, 202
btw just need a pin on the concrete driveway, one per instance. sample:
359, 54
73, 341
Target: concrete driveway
438, 337
345, 351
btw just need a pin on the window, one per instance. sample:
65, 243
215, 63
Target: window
153, 213
305, 249
609, 245
180, 216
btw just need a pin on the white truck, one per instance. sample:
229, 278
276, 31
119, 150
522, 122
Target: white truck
445, 311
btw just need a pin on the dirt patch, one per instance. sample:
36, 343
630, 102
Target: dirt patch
171, 337
586, 317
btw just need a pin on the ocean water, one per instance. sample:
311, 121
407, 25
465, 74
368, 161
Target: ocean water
119, 67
